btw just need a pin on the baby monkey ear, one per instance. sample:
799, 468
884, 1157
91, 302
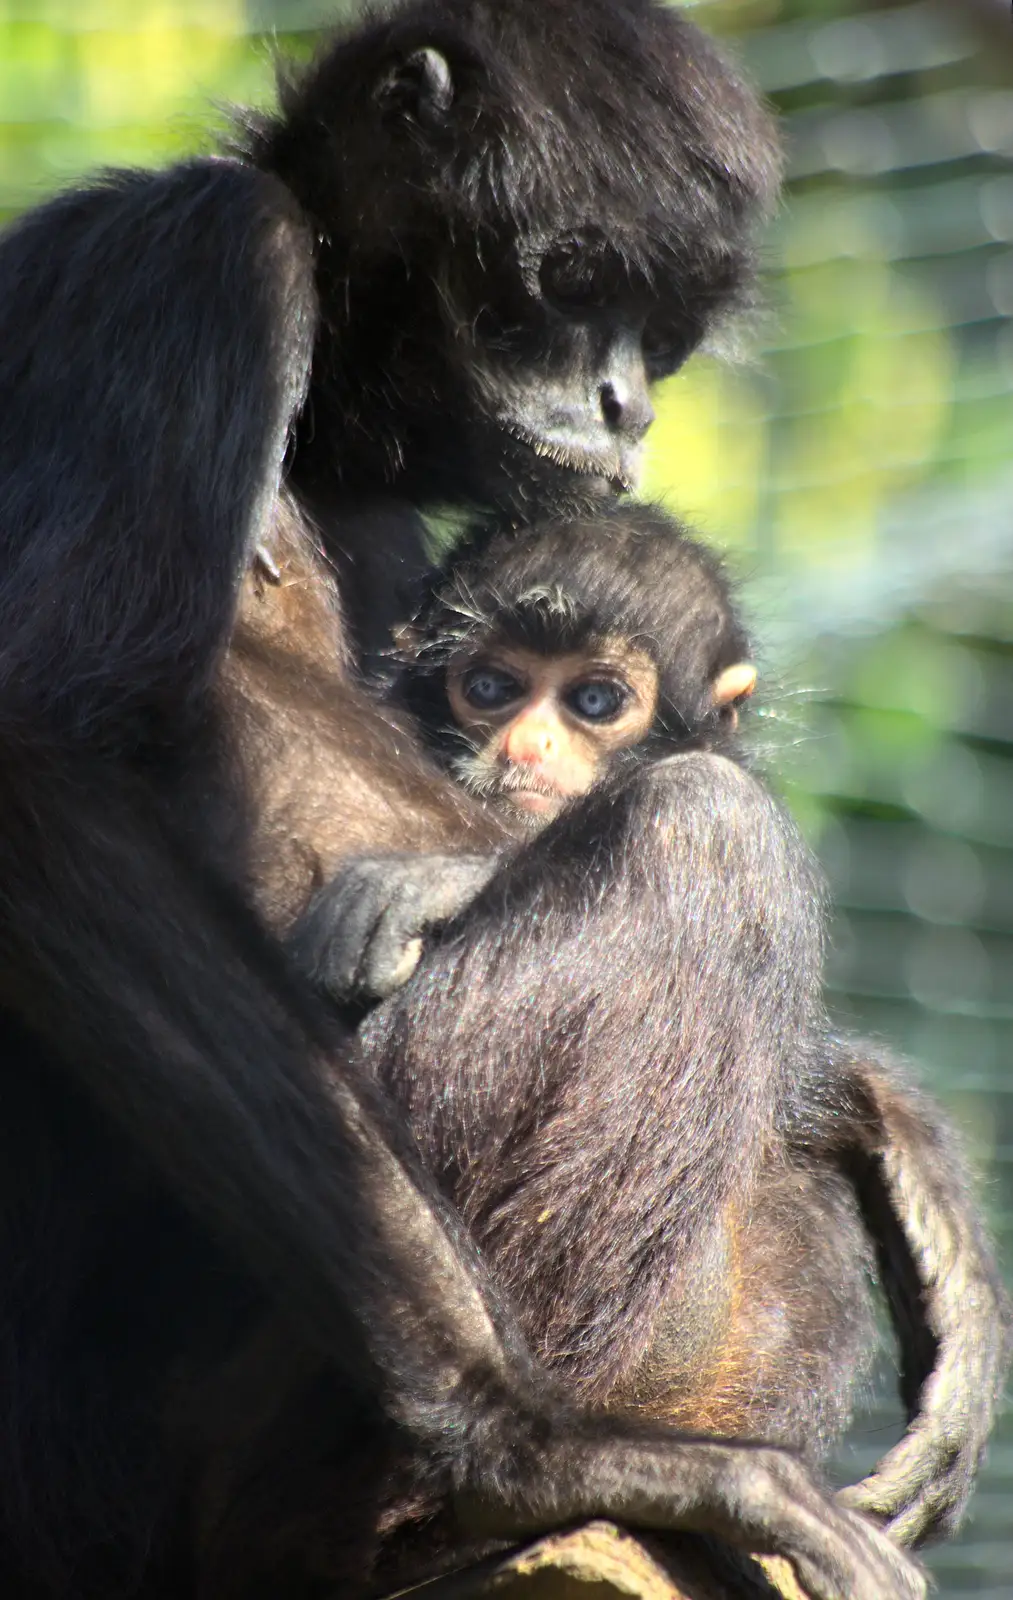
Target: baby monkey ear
732, 685
420, 87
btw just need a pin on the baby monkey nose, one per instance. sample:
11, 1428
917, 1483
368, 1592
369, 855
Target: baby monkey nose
529, 740
626, 408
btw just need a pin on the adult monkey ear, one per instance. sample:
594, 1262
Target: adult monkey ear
419, 88
735, 683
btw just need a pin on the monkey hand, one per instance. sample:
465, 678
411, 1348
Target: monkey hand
920, 1489
764, 1501
758, 1499
360, 937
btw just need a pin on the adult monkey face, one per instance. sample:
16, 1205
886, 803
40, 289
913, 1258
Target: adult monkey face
522, 225
562, 353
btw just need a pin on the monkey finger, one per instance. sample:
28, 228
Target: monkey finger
360, 938
422, 892
920, 1489
329, 939
932, 1513
773, 1507
758, 1499
388, 961
933, 1516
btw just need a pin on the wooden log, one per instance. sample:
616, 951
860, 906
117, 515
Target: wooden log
603, 1562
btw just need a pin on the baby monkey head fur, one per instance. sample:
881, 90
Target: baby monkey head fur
546, 660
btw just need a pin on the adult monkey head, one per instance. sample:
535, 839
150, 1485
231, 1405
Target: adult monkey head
528, 213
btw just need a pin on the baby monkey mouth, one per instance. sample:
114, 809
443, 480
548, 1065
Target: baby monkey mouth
538, 802
510, 785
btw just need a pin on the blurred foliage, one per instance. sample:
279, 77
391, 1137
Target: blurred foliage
890, 362
856, 457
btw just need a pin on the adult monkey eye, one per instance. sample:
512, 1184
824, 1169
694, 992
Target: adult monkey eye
666, 346
579, 275
598, 699
488, 688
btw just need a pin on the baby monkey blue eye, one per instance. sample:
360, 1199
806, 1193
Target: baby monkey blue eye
487, 688
598, 700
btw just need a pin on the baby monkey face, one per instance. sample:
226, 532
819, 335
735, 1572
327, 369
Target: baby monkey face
543, 728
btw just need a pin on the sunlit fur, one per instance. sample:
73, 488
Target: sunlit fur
863, 1148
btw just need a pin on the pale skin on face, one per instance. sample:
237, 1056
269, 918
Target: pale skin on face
545, 727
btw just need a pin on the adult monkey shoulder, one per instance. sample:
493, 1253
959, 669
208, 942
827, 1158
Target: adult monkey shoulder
159, 335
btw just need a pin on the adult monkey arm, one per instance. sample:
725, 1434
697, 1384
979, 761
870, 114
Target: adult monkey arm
126, 529
129, 509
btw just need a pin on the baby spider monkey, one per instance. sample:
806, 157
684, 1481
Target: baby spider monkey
548, 660
539, 666
721, 1283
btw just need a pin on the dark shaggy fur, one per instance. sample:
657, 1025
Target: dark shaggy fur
855, 1129
488, 283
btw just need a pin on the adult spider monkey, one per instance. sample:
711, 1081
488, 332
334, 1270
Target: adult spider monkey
410, 263
539, 666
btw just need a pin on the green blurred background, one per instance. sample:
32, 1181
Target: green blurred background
856, 460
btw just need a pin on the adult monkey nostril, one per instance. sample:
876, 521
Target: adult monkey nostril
612, 405
625, 411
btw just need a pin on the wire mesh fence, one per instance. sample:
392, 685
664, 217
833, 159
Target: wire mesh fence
859, 466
